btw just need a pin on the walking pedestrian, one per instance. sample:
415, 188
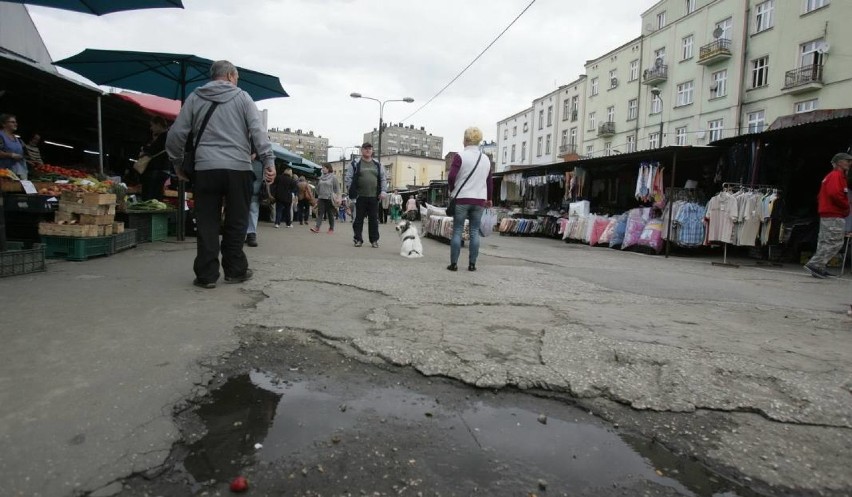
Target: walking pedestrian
469, 182
305, 201
366, 183
384, 208
343, 208
411, 208
396, 206
328, 189
284, 191
254, 205
833, 207
223, 170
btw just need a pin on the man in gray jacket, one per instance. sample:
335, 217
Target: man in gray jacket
223, 170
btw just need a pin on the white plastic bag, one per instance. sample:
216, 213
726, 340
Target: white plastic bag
489, 219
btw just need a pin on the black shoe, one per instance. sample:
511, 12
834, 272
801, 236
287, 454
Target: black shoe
201, 284
452, 267
251, 239
471, 267
815, 271
239, 279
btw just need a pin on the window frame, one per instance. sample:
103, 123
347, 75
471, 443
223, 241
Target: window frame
721, 84
633, 109
661, 19
690, 6
564, 138
764, 16
631, 143
760, 72
594, 85
681, 134
760, 121
714, 130
548, 144
593, 121
802, 110
687, 45
685, 94
523, 150
610, 114
513, 153
653, 140
541, 119
549, 116
812, 5
727, 26
656, 104
634, 70
538, 146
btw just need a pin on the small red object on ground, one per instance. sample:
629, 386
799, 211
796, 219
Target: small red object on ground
239, 484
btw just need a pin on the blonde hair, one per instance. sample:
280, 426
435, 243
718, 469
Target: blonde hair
472, 136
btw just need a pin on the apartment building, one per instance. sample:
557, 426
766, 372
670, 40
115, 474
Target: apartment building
613, 94
402, 139
514, 136
308, 145
545, 114
571, 133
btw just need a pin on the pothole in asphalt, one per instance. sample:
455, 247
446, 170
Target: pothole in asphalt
448, 437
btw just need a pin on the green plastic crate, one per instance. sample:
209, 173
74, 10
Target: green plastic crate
15, 262
123, 241
159, 227
150, 226
76, 249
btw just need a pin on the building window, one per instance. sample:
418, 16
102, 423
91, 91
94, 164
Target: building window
687, 44
572, 140
806, 106
526, 127
715, 128
661, 20
760, 72
523, 151
632, 109
634, 70
564, 138
719, 86
592, 121
547, 145
514, 131
763, 16
815, 4
506, 133
607, 148
631, 143
660, 56
610, 114
505, 153
756, 121
654, 140
590, 151
513, 153
565, 108
685, 92
656, 105
613, 79
809, 56
550, 115
594, 86
726, 26
575, 106
541, 119
538, 147
690, 6
680, 136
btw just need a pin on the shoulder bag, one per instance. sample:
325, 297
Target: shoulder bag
188, 165
451, 207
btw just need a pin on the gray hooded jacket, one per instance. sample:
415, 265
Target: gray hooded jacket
233, 127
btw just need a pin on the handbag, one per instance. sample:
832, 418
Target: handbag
335, 199
143, 161
451, 207
188, 164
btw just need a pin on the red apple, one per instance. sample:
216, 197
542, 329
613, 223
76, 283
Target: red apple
239, 484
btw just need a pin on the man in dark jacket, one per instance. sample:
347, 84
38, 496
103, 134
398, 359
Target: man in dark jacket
223, 170
366, 182
833, 207
285, 187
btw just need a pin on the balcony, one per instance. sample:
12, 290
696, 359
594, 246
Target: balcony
568, 149
803, 79
606, 129
714, 52
656, 74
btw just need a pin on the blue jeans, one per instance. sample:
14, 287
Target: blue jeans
473, 213
254, 213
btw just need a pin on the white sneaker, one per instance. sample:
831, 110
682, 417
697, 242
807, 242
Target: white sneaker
277, 225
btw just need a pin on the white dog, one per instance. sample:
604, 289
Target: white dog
411, 245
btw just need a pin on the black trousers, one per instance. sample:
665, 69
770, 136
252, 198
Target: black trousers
366, 207
383, 214
212, 188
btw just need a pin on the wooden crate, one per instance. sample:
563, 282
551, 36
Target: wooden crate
95, 210
10, 185
87, 198
78, 230
117, 228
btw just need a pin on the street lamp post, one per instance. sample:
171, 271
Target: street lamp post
655, 91
381, 115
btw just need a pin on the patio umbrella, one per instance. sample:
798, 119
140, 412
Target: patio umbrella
101, 7
166, 75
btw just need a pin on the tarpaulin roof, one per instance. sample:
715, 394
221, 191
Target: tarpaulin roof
164, 107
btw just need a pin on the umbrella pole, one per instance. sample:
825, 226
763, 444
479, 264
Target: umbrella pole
100, 137
181, 200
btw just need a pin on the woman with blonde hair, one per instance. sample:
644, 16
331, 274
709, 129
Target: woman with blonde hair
469, 184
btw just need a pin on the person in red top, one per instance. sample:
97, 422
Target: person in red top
833, 207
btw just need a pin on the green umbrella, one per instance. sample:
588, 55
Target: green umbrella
101, 7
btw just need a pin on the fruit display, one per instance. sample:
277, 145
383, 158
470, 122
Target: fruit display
90, 185
46, 172
7, 173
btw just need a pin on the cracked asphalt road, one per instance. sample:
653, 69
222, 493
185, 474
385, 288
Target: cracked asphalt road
96, 354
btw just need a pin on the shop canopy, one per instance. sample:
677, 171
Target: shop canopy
152, 104
101, 7
296, 161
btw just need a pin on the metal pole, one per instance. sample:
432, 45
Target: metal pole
100, 137
181, 215
669, 235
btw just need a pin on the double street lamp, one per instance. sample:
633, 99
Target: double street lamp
381, 115
655, 91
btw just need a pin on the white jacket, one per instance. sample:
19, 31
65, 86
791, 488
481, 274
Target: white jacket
477, 185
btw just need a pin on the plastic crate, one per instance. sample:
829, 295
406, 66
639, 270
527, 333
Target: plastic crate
15, 262
30, 203
76, 249
149, 226
123, 241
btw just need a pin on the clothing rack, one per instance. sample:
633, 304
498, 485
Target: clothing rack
740, 187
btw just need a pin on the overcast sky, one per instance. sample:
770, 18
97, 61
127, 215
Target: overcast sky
323, 50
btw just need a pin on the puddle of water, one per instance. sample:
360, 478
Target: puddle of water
287, 418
